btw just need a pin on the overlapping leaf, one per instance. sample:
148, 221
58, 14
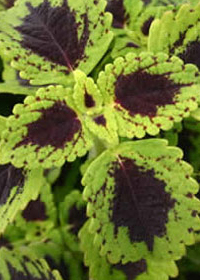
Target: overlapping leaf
149, 92
100, 268
47, 40
45, 131
140, 197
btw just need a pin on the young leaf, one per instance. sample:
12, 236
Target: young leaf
88, 100
45, 131
17, 187
148, 92
47, 40
100, 268
72, 215
140, 197
183, 39
15, 265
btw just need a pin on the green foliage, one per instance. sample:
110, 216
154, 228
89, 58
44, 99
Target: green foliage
82, 195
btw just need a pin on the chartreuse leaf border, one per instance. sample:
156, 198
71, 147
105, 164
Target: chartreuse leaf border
20, 153
151, 154
39, 70
100, 268
171, 69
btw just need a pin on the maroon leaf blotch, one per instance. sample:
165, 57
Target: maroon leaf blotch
35, 211
116, 8
10, 177
52, 32
192, 54
77, 217
141, 92
56, 126
132, 270
100, 120
140, 202
89, 101
146, 26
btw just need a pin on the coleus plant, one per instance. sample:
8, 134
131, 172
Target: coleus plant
78, 183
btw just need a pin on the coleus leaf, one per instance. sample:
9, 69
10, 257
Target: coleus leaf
149, 92
140, 197
89, 101
17, 187
183, 39
72, 216
15, 265
38, 217
47, 40
45, 131
100, 268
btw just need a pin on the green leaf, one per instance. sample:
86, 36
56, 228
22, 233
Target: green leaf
47, 40
45, 131
140, 197
100, 268
148, 92
15, 265
18, 186
183, 39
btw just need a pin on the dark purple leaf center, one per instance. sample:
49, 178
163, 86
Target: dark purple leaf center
35, 211
141, 92
57, 125
140, 202
192, 54
132, 270
146, 26
10, 177
77, 217
52, 32
116, 8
